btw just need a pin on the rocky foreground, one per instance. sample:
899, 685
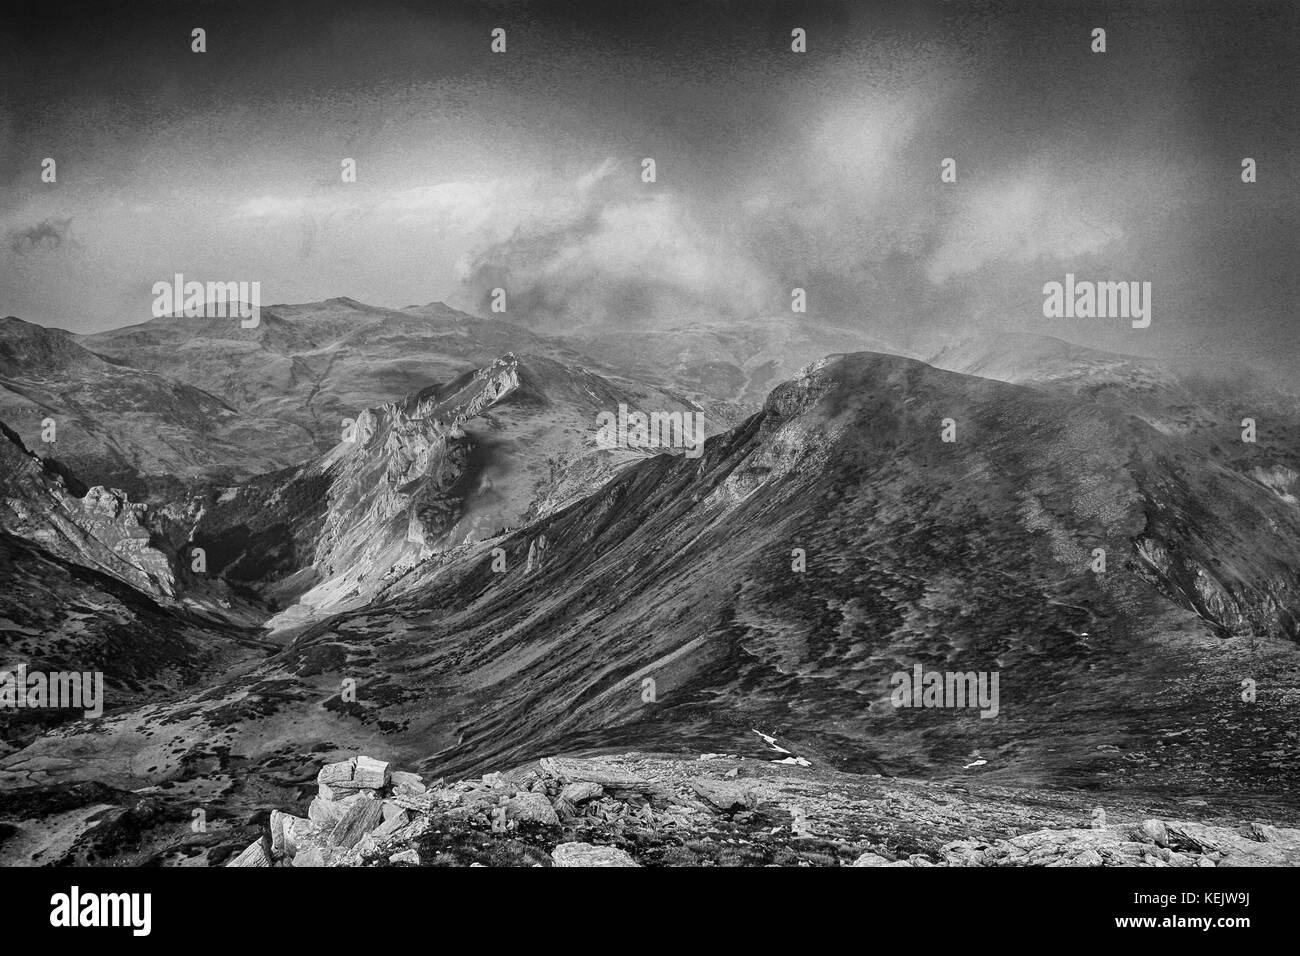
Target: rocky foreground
719, 810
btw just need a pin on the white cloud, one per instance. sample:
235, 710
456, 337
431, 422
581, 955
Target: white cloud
1020, 222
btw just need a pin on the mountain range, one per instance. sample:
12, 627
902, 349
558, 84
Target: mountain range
362, 530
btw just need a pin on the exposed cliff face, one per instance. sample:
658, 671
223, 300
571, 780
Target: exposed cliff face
399, 488
101, 529
449, 464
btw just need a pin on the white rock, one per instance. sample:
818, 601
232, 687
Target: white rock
584, 854
531, 806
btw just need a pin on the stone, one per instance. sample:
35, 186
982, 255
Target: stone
362, 817
312, 856
391, 825
359, 773
326, 813
1088, 858
333, 774
593, 771
407, 783
582, 791
724, 796
371, 774
1151, 831
297, 832
256, 854
406, 856
532, 807
421, 802
871, 859
584, 854
281, 842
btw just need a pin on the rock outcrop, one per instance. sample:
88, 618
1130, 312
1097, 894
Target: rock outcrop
637, 810
96, 527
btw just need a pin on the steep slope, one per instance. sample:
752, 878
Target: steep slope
448, 464
1204, 410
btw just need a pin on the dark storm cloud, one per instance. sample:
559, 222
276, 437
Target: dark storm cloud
48, 234
775, 170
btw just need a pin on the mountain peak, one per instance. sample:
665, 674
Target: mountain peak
27, 346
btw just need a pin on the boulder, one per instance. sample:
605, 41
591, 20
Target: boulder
584, 854
312, 856
406, 856
362, 817
256, 854
724, 796
410, 784
1151, 831
592, 770
336, 773
391, 824
871, 859
327, 813
582, 791
298, 832
371, 774
358, 773
281, 842
531, 807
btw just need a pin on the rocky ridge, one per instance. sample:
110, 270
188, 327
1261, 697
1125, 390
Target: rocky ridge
642, 810
99, 528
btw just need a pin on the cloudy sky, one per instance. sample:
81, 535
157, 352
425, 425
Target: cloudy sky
774, 169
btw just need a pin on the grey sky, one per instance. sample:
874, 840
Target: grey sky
775, 169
